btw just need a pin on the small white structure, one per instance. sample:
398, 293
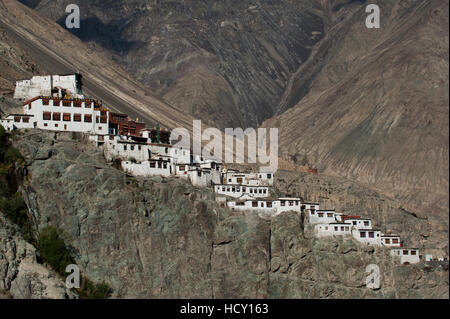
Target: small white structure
248, 179
391, 241
147, 168
359, 223
428, 257
237, 191
50, 85
406, 255
272, 207
322, 216
200, 177
332, 229
17, 121
367, 236
310, 206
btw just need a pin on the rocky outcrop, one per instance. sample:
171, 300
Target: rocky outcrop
21, 275
164, 238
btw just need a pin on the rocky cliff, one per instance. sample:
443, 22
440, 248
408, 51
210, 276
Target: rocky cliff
163, 238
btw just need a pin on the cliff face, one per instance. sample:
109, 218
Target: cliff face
163, 238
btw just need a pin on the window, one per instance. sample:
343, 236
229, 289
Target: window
269, 204
152, 164
413, 252
77, 117
77, 103
254, 204
87, 105
88, 118
354, 223
342, 228
124, 147
139, 148
45, 124
244, 189
395, 240
56, 103
26, 119
45, 102
56, 125
269, 176
56, 116
17, 119
336, 228
47, 116
199, 174
405, 252
103, 119
283, 203
132, 147
362, 234
371, 234
67, 103
387, 241
329, 214
66, 117
347, 228
320, 215
366, 223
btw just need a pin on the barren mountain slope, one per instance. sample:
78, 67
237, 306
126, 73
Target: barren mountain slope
226, 62
376, 104
55, 50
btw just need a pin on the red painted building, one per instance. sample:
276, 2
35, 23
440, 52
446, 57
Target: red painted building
123, 125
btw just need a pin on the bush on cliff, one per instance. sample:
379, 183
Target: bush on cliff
54, 250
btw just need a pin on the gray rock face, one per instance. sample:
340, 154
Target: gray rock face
21, 276
163, 238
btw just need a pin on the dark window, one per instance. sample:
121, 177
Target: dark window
269, 204
66, 117
77, 117
152, 164
88, 118
254, 204
405, 252
77, 103
395, 241
56, 103
103, 119
47, 116
387, 240
26, 119
413, 252
320, 214
17, 119
362, 234
336, 228
366, 223
56, 116
67, 103
45, 102
371, 234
